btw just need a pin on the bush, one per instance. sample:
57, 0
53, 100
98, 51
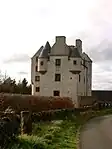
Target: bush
9, 130
53, 115
34, 103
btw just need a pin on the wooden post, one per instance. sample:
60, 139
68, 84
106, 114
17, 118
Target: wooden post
26, 122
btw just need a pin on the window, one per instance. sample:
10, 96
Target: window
84, 79
48, 58
41, 63
58, 62
57, 77
75, 62
56, 93
84, 62
37, 78
36, 68
79, 78
81, 62
36, 59
37, 89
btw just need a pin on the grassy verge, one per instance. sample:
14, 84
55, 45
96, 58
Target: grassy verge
60, 134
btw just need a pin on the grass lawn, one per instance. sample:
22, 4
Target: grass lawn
59, 134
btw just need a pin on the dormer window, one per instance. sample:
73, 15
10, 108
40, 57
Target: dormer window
74, 62
41, 63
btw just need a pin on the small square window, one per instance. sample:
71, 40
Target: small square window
36, 68
74, 62
41, 63
37, 78
57, 77
58, 62
56, 93
37, 89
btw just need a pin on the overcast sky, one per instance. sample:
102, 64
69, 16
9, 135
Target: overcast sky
25, 25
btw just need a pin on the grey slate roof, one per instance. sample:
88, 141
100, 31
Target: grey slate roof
45, 51
48, 47
38, 52
74, 52
88, 57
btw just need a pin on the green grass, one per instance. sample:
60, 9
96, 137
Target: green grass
60, 134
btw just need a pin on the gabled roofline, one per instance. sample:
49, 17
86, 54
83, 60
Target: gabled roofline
37, 52
88, 57
45, 51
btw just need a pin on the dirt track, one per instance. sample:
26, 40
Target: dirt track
97, 134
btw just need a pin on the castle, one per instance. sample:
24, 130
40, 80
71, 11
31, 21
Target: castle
61, 70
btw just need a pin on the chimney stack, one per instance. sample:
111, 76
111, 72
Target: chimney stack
60, 39
79, 45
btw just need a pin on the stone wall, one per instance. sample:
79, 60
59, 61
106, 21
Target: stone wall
86, 100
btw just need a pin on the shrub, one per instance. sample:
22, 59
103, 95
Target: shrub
34, 103
9, 129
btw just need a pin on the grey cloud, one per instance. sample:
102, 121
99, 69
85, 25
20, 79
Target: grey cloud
102, 76
106, 66
23, 73
102, 52
17, 58
97, 43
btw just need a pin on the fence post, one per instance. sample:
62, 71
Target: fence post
26, 122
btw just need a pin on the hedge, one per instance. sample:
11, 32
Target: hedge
33, 103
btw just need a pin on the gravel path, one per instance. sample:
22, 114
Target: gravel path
97, 134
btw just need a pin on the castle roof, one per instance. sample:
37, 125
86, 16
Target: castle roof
45, 51
38, 52
74, 52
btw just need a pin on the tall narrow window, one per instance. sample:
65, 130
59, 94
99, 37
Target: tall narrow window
37, 89
81, 62
84, 62
56, 93
36, 68
57, 77
79, 78
41, 63
36, 59
37, 78
58, 62
84, 79
74, 62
